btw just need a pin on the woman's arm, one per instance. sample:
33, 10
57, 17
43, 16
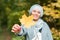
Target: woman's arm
48, 32
18, 30
23, 30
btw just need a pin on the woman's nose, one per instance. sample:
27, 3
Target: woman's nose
36, 13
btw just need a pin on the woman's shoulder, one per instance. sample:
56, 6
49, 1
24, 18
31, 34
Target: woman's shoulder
44, 24
41, 21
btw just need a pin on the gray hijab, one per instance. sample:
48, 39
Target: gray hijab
36, 6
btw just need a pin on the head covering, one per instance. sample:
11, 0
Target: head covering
36, 6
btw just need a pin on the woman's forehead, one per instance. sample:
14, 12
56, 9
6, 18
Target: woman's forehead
36, 9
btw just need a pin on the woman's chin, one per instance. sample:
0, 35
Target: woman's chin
35, 19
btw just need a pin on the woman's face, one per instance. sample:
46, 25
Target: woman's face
36, 14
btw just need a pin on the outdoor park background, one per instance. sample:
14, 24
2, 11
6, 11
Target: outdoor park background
12, 10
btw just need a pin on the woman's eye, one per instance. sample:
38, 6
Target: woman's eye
34, 11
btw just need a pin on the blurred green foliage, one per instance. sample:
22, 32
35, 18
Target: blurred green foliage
13, 19
18, 38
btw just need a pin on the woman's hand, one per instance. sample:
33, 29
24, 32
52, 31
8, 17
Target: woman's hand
16, 28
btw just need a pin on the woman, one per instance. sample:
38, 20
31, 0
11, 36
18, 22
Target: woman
39, 31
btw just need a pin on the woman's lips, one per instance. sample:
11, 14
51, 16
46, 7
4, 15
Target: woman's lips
35, 16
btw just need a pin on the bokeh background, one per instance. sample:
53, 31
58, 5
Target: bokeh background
12, 10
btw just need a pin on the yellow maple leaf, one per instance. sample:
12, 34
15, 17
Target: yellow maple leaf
27, 21
23, 20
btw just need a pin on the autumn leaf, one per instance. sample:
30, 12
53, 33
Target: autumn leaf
27, 21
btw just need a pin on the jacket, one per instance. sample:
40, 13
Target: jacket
41, 27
